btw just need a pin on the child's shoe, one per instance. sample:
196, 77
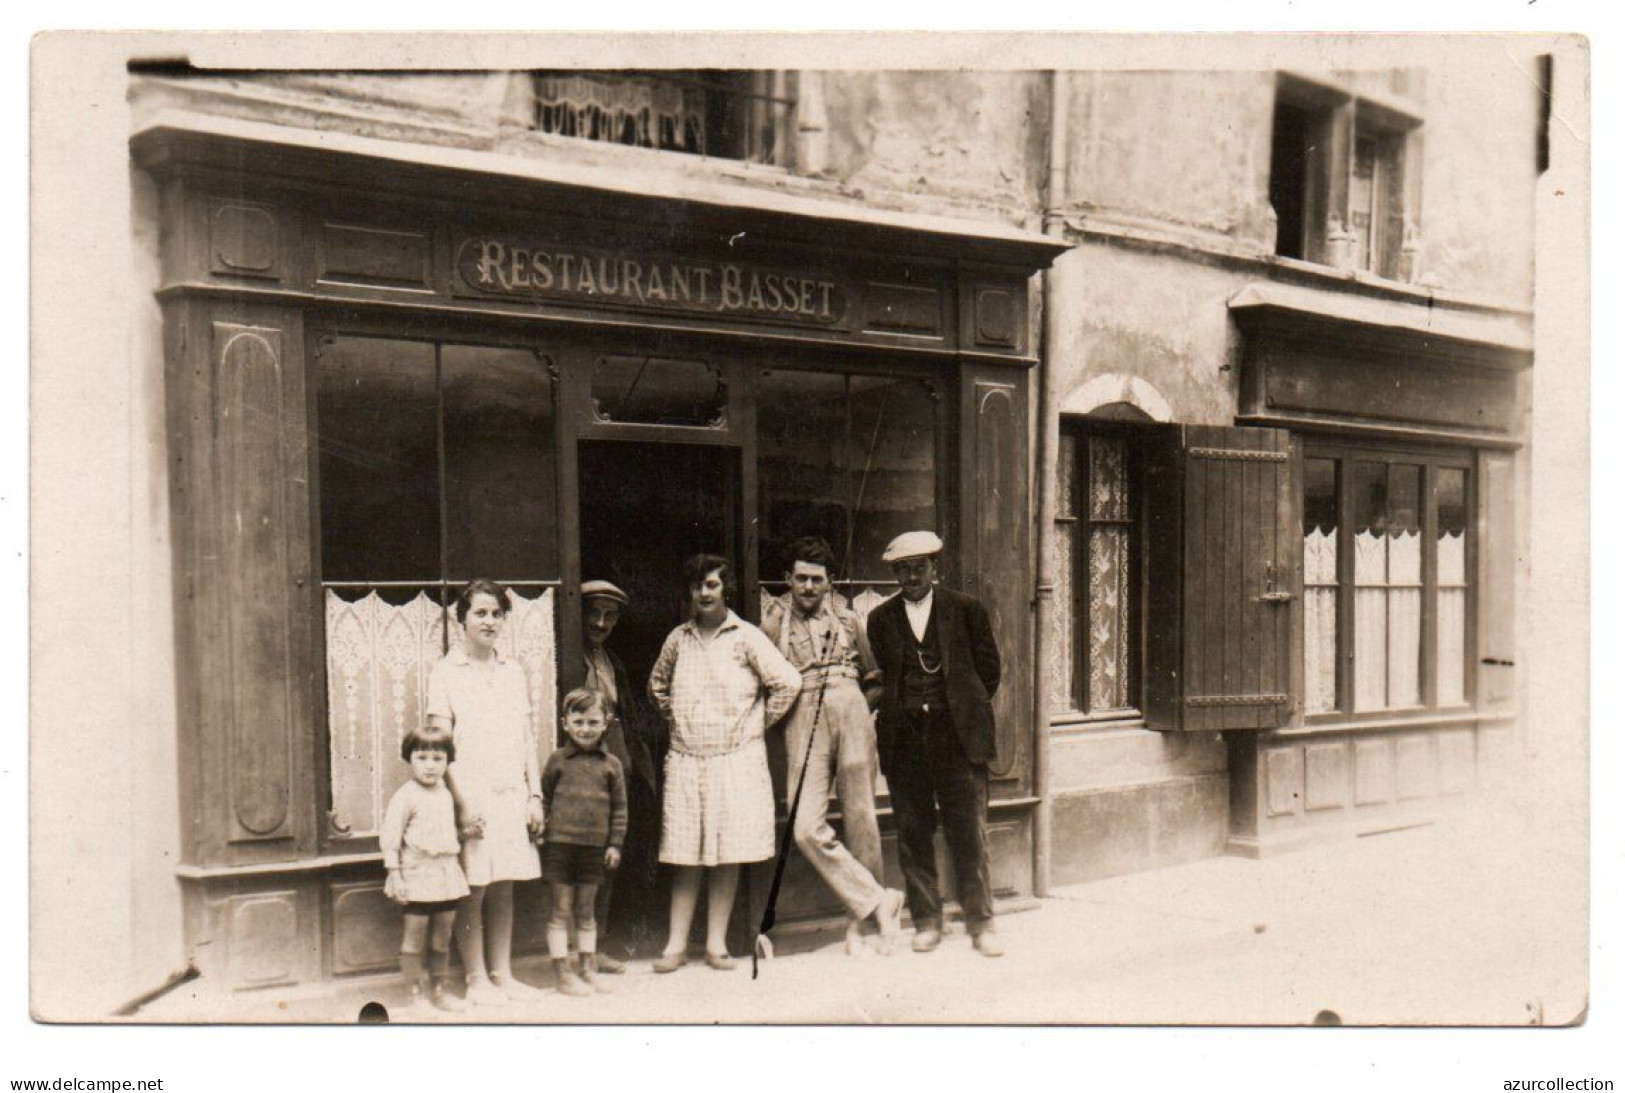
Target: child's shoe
440, 994
418, 1006
570, 983
589, 974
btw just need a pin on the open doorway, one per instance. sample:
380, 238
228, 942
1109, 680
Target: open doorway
645, 508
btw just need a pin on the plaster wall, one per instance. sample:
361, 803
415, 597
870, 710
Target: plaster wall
1161, 321
1478, 185
1176, 150
105, 916
976, 138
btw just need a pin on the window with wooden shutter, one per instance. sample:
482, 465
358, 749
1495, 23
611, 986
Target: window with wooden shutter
1222, 579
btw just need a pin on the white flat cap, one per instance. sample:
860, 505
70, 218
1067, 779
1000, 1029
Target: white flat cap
604, 590
912, 544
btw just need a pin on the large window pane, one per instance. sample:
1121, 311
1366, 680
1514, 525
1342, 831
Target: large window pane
375, 413
1320, 585
802, 455
1451, 496
851, 458
436, 465
893, 466
501, 482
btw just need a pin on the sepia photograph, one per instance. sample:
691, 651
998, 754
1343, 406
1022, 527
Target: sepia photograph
809, 530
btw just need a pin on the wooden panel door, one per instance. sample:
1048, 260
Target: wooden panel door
994, 523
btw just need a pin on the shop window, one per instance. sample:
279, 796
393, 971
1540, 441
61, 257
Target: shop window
1386, 585
1343, 178
851, 458
436, 465
1094, 643
728, 114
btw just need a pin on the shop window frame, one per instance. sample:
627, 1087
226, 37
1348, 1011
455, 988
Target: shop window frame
320, 326
1345, 453
1134, 437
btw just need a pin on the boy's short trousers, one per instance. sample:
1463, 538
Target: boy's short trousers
566, 863
434, 908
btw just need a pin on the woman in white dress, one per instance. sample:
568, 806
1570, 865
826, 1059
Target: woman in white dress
481, 696
720, 684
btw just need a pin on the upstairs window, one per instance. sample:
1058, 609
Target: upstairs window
705, 112
1344, 177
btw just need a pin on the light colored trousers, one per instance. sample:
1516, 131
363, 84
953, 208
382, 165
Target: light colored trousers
842, 758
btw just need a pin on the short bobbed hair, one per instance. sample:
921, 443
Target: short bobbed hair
428, 738
697, 568
814, 550
465, 598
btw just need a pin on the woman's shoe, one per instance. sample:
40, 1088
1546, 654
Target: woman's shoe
516, 991
483, 992
670, 962
722, 962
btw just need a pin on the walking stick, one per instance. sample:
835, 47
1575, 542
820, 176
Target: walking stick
763, 942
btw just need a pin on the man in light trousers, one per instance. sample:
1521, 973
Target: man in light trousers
827, 643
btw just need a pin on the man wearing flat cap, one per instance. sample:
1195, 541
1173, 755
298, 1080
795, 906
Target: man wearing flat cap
940, 669
627, 739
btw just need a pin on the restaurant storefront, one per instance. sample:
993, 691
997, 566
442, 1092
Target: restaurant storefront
389, 372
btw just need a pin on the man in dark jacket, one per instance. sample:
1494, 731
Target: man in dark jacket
940, 668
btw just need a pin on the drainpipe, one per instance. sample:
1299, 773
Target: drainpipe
1043, 601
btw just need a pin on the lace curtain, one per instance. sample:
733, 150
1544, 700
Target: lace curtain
379, 656
1452, 618
1387, 619
640, 111
1320, 620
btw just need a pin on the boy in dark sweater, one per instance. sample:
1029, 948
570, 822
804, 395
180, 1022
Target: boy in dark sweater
584, 792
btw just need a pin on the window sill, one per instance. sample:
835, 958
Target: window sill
1079, 724
1426, 719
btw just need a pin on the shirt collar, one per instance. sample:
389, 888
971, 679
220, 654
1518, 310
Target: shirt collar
923, 603
458, 655
730, 623
572, 749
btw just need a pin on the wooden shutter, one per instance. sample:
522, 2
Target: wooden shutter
1223, 572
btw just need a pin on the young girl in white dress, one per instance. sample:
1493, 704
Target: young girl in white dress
421, 853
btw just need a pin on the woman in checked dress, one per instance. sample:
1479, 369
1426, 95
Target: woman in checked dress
720, 684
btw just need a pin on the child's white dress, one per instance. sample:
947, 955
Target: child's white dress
419, 837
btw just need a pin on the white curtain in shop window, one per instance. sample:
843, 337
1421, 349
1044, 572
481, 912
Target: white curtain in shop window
1405, 619
1452, 618
378, 660
1320, 620
1387, 619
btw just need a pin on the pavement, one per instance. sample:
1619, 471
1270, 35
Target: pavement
1480, 920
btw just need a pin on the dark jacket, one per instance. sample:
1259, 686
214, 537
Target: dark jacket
634, 735
970, 666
